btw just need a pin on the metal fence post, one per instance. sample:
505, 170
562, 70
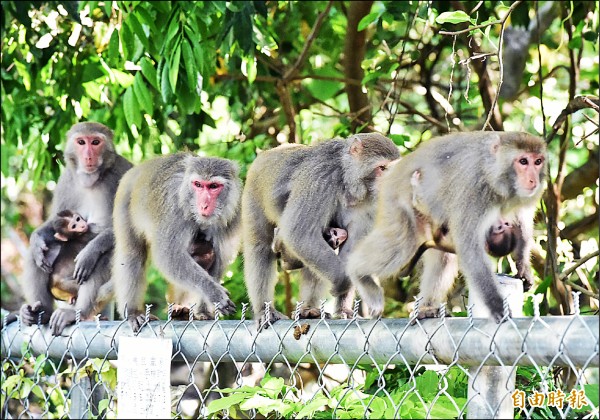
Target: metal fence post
490, 385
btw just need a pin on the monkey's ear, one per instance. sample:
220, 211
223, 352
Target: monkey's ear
60, 237
356, 146
496, 143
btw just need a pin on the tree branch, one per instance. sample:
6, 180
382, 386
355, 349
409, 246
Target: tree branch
309, 41
578, 103
354, 53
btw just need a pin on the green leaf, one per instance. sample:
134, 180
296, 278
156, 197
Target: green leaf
190, 63
144, 17
226, 402
136, 27
113, 48
367, 20
272, 386
123, 79
318, 402
131, 108
249, 68
144, 98
127, 41
324, 89
165, 86
457, 16
576, 42
174, 67
149, 72
264, 405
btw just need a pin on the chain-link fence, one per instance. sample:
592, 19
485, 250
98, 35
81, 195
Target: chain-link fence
388, 368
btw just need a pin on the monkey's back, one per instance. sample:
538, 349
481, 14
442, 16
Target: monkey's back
267, 180
449, 163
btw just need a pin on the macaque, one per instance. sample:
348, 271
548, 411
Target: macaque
501, 238
203, 254
87, 187
182, 212
304, 190
468, 182
64, 226
335, 237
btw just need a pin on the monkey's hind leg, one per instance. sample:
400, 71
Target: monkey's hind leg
381, 254
312, 288
439, 271
260, 264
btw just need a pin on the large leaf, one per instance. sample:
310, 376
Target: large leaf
174, 67
131, 108
189, 62
143, 96
457, 16
225, 403
367, 20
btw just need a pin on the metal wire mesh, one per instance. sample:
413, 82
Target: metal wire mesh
323, 368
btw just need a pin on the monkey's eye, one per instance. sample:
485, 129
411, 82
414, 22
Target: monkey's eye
95, 142
523, 161
73, 227
77, 219
197, 184
80, 142
538, 162
213, 186
382, 167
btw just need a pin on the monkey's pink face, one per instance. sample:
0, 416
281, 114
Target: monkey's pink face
77, 224
207, 194
528, 167
89, 150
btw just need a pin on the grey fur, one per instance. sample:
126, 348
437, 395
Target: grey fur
467, 182
92, 196
155, 216
303, 190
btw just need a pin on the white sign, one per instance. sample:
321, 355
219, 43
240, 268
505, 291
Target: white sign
144, 378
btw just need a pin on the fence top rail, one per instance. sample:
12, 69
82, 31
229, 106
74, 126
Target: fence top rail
556, 340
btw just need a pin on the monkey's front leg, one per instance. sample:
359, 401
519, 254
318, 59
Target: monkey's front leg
86, 260
522, 253
38, 249
31, 314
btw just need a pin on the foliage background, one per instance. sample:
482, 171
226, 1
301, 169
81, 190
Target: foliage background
232, 78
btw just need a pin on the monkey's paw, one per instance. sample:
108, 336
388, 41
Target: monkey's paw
180, 313
345, 313
424, 312
498, 316
312, 313
274, 315
137, 319
85, 262
527, 278
31, 313
225, 306
38, 249
60, 319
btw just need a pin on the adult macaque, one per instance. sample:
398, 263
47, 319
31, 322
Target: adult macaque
166, 209
335, 237
468, 182
501, 238
304, 190
87, 186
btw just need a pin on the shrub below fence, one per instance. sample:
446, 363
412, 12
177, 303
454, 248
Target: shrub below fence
387, 368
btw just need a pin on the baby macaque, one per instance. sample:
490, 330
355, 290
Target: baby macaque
335, 237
